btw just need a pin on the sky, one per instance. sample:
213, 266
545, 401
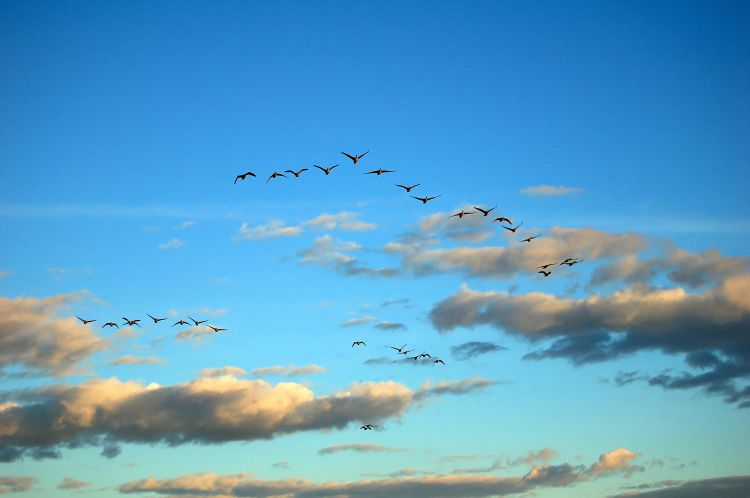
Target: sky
617, 132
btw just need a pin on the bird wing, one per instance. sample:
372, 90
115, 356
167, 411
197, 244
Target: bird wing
349, 156
403, 187
320, 167
372, 172
362, 155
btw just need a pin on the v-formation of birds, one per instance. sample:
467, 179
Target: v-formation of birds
136, 322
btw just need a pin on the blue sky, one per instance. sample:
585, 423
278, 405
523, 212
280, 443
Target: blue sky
122, 127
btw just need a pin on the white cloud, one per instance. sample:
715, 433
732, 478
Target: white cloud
171, 244
550, 190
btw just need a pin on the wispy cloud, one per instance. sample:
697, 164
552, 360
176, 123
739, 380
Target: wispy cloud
185, 225
344, 220
271, 230
70, 483
354, 322
289, 371
550, 190
137, 360
385, 325
472, 349
171, 244
359, 448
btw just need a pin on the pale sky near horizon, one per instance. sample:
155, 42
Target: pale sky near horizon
616, 131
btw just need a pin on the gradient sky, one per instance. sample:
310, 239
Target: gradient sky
616, 130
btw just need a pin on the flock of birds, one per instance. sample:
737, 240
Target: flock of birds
136, 322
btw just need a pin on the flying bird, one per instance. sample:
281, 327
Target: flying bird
130, 323
438, 361
568, 259
415, 358
84, 321
571, 262
275, 174
425, 200
544, 267
243, 176
379, 171
484, 211
398, 349
196, 322
529, 239
181, 322
359, 343
513, 229
545, 273
295, 173
460, 214
327, 171
355, 159
215, 329
111, 324
405, 352
156, 320
408, 189
367, 427
503, 219
425, 355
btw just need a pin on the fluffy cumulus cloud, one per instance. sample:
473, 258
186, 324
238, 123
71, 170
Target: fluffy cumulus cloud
344, 220
9, 484
36, 340
336, 254
550, 190
105, 412
359, 448
724, 487
437, 486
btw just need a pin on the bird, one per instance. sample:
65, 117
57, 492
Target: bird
355, 159
513, 229
111, 324
327, 171
415, 358
460, 214
131, 322
425, 355
196, 322
367, 427
405, 352
544, 267
243, 176
571, 262
408, 189
567, 260
503, 219
156, 320
215, 329
295, 173
545, 273
425, 200
84, 321
484, 211
181, 322
529, 239
275, 174
379, 171
359, 343
438, 361
398, 349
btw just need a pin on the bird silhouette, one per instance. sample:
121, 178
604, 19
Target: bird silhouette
215, 329
181, 322
156, 320
568, 259
367, 427
460, 214
243, 176
405, 352
545, 273
84, 321
484, 211
425, 200
571, 262
359, 343
408, 189
196, 322
415, 358
275, 174
513, 229
327, 171
529, 239
398, 349
544, 267
379, 171
425, 355
438, 361
130, 322
111, 324
503, 219
355, 159
295, 173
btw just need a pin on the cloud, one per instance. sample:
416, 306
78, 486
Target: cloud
129, 359
534, 457
271, 230
354, 322
66, 272
343, 220
472, 349
402, 301
550, 190
16, 484
359, 448
283, 464
171, 244
434, 486
34, 338
454, 387
335, 254
724, 487
472, 228
194, 333
400, 360
185, 225
70, 483
220, 372
385, 325
290, 371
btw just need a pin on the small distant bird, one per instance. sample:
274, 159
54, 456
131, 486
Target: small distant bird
425, 200
215, 329
398, 349
295, 173
415, 358
483, 211
545, 273
355, 159
275, 174
359, 343
544, 267
84, 321
438, 361
111, 324
571, 262
568, 260
529, 239
503, 219
327, 171
181, 322
408, 189
130, 323
513, 229
405, 352
156, 320
425, 355
379, 171
243, 176
367, 427
460, 214
196, 322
